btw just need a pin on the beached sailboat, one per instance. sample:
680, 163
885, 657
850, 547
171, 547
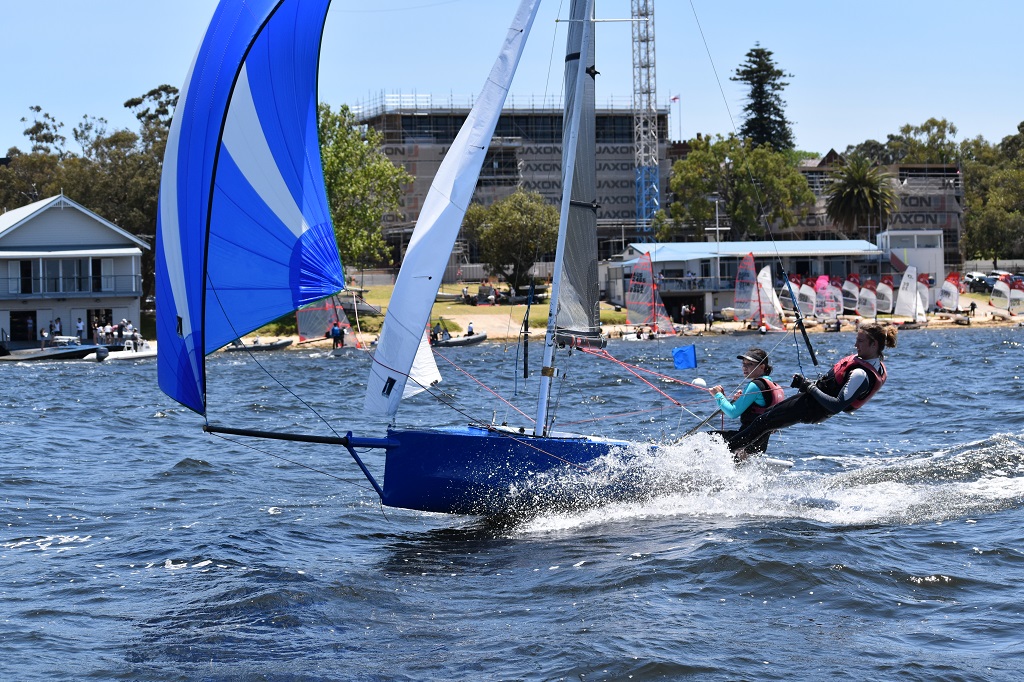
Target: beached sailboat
769, 306
884, 295
949, 293
867, 300
807, 299
1016, 297
909, 302
851, 291
644, 307
244, 134
828, 302
1007, 297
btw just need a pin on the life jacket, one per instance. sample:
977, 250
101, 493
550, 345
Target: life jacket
832, 383
772, 394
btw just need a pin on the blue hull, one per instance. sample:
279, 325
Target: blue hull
478, 470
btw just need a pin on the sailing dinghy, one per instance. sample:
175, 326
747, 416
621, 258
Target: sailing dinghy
244, 236
644, 306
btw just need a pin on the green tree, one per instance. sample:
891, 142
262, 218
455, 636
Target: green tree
861, 194
514, 233
929, 143
754, 186
993, 197
362, 185
765, 118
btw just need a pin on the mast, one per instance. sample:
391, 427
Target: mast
579, 56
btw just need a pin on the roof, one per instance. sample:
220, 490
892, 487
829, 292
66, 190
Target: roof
684, 251
12, 220
76, 253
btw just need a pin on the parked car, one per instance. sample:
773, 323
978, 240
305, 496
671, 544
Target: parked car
998, 273
982, 285
970, 276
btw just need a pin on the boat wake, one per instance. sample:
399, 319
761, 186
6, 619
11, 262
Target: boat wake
698, 480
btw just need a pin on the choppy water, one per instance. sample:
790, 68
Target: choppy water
136, 547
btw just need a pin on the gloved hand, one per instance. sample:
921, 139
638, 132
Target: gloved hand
801, 383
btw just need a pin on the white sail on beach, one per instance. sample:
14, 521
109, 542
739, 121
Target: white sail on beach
400, 346
851, 290
924, 292
867, 303
770, 307
806, 299
949, 293
884, 295
1000, 295
908, 300
1016, 297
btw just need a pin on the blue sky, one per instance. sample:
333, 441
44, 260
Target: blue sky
860, 69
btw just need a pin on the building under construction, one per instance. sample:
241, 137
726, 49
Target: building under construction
525, 153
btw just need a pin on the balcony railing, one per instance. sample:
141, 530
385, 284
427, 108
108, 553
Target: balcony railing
70, 287
676, 285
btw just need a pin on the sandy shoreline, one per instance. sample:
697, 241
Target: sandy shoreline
506, 325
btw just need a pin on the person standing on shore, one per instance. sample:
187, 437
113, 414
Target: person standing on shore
850, 383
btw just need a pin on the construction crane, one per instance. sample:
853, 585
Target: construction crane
645, 118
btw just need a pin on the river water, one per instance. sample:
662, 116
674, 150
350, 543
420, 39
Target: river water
137, 547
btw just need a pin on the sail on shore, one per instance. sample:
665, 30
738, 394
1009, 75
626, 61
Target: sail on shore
643, 302
807, 299
867, 300
314, 321
949, 292
924, 292
885, 295
1016, 297
1000, 295
851, 290
438, 227
770, 308
244, 234
908, 302
745, 295
828, 302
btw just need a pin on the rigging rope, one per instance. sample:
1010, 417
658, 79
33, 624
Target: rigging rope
760, 203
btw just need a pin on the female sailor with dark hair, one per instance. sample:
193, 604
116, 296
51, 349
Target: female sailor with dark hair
752, 400
846, 387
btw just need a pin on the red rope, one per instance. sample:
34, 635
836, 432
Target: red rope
485, 386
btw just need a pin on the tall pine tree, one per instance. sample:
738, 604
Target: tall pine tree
765, 121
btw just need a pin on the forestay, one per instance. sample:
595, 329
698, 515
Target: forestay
401, 342
243, 227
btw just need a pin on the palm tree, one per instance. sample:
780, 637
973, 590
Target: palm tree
859, 193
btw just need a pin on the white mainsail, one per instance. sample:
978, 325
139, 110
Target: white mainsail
438, 227
850, 292
806, 299
867, 303
1016, 297
770, 306
949, 293
1000, 296
883, 296
908, 301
